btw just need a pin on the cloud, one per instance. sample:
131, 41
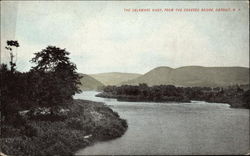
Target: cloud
103, 38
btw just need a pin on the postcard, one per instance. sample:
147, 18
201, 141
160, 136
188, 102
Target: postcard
124, 78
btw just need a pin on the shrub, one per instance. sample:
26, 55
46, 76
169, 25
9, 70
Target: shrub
75, 123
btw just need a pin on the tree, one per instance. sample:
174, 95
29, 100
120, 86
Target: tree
9, 85
10, 45
57, 79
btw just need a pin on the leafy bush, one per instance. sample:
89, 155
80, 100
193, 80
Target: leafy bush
75, 123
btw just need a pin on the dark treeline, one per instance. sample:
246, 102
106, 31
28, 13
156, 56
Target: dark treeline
38, 113
50, 83
235, 96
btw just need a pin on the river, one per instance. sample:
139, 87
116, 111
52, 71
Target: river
198, 128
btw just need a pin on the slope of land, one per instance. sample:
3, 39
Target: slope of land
114, 78
190, 76
89, 83
84, 123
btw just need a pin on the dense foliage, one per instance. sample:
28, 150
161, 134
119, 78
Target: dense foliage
38, 113
51, 83
57, 80
78, 130
235, 96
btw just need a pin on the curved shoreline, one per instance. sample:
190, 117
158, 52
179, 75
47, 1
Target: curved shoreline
130, 98
234, 103
86, 123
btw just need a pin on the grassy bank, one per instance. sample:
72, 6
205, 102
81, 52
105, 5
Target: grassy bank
85, 123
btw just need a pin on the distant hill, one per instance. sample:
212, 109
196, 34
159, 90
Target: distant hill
89, 83
194, 76
114, 78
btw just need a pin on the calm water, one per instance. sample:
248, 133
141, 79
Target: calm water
172, 128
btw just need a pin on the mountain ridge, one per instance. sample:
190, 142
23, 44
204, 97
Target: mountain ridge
114, 78
89, 83
190, 76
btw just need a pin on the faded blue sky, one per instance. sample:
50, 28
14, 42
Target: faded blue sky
103, 38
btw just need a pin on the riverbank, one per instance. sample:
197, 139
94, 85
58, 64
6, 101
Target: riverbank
169, 129
134, 98
235, 97
85, 123
233, 101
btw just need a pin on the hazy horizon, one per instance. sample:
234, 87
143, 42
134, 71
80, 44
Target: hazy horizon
101, 37
164, 66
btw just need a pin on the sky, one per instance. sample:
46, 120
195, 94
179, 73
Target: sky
102, 37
